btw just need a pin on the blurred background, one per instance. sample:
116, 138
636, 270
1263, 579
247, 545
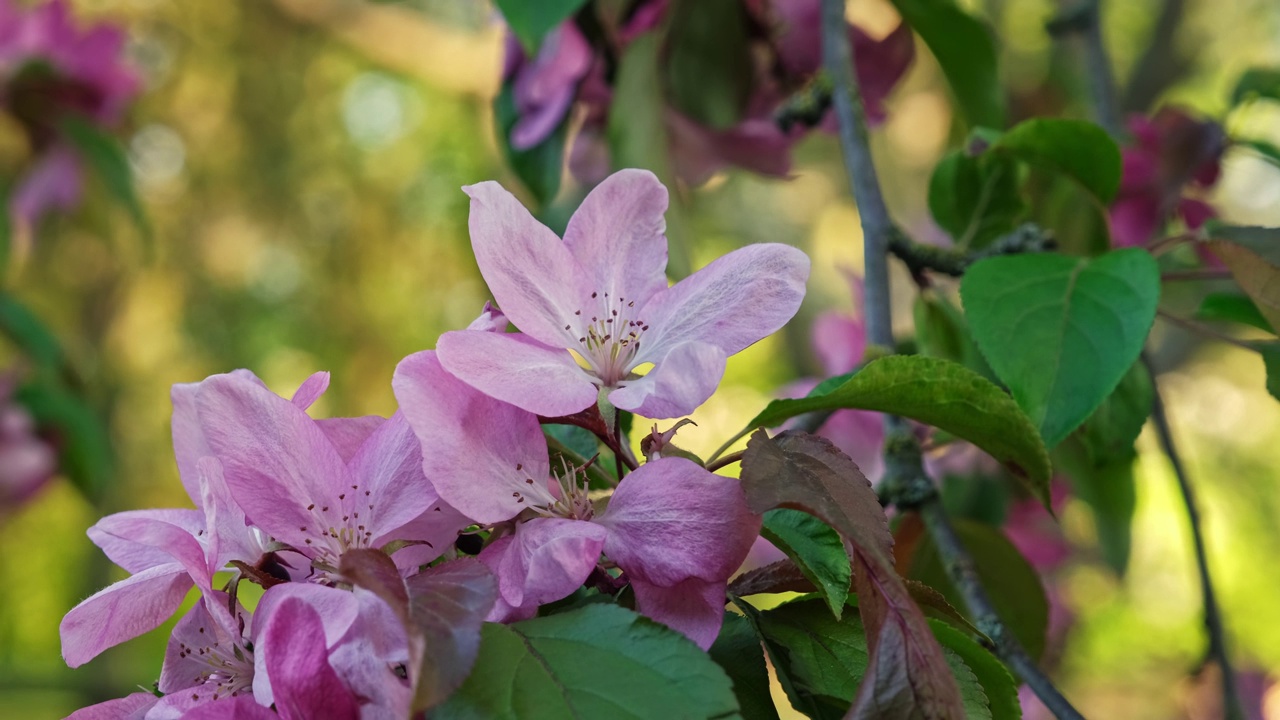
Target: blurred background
300, 162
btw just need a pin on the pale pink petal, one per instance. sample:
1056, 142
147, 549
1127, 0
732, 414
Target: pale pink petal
366, 659
694, 607
281, 469
348, 434
122, 611
491, 319
129, 707
860, 435
478, 452
679, 382
200, 642
546, 560
672, 520
617, 235
138, 530
434, 532
530, 271
544, 88
519, 370
388, 468
839, 341
305, 685
189, 444
731, 303
123, 536
310, 390
228, 535
53, 184
236, 708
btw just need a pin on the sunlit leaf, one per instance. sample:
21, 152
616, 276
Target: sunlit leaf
599, 661
447, 607
815, 549
966, 51
1061, 331
938, 393
1257, 83
1232, 307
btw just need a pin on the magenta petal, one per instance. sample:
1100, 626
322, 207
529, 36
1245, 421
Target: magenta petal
1195, 213
129, 707
545, 87
1134, 220
180, 543
679, 382
304, 683
881, 64
694, 607
122, 611
519, 370
348, 434
672, 520
547, 559
337, 609
532, 274
388, 468
310, 390
617, 235
276, 460
731, 303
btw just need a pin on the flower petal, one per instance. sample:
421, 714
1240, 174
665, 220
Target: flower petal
303, 682
839, 341
243, 707
731, 303
680, 381
435, 530
122, 611
189, 652
348, 434
337, 609
478, 452
672, 520
123, 536
129, 707
276, 460
529, 270
694, 607
388, 468
310, 390
519, 370
617, 235
189, 444
546, 560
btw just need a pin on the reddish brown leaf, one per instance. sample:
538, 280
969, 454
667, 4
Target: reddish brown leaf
908, 675
447, 606
374, 571
779, 577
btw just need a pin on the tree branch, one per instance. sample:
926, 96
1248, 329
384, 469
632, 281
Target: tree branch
1232, 709
919, 257
1162, 64
903, 459
1085, 20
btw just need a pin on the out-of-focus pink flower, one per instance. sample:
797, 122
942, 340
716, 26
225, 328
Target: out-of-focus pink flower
1171, 153
1035, 532
545, 86
27, 461
51, 71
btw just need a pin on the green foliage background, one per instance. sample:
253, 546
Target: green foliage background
301, 171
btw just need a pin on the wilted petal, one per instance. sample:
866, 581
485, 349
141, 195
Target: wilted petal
731, 303
518, 370
129, 707
694, 607
672, 520
122, 611
530, 271
679, 382
616, 234
546, 559
310, 390
305, 685
388, 468
478, 452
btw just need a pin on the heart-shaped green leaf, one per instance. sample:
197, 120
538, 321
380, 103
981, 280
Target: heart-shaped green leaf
1061, 331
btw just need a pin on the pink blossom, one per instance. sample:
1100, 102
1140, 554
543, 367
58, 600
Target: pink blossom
1036, 533
27, 462
1172, 152
676, 530
601, 292
545, 86
50, 71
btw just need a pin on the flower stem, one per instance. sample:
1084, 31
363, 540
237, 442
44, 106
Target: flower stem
878, 231
729, 459
1232, 709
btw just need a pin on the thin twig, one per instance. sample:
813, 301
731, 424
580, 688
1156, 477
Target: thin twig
1196, 274
1085, 20
1161, 64
1212, 617
878, 230
729, 459
1203, 329
919, 257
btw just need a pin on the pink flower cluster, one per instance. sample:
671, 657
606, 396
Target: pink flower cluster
282, 499
50, 72
570, 71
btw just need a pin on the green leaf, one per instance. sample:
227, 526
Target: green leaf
637, 125
538, 167
1232, 307
1107, 486
966, 52
1014, 586
1270, 353
816, 550
1257, 83
938, 393
708, 67
997, 685
600, 661
29, 333
941, 332
531, 21
1114, 427
85, 448
1061, 331
447, 607
1080, 150
107, 159
976, 199
738, 650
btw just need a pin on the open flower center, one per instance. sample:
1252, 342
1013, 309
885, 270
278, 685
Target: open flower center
610, 337
229, 667
574, 501
338, 527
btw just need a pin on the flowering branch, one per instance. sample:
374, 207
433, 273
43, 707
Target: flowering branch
1212, 617
904, 472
